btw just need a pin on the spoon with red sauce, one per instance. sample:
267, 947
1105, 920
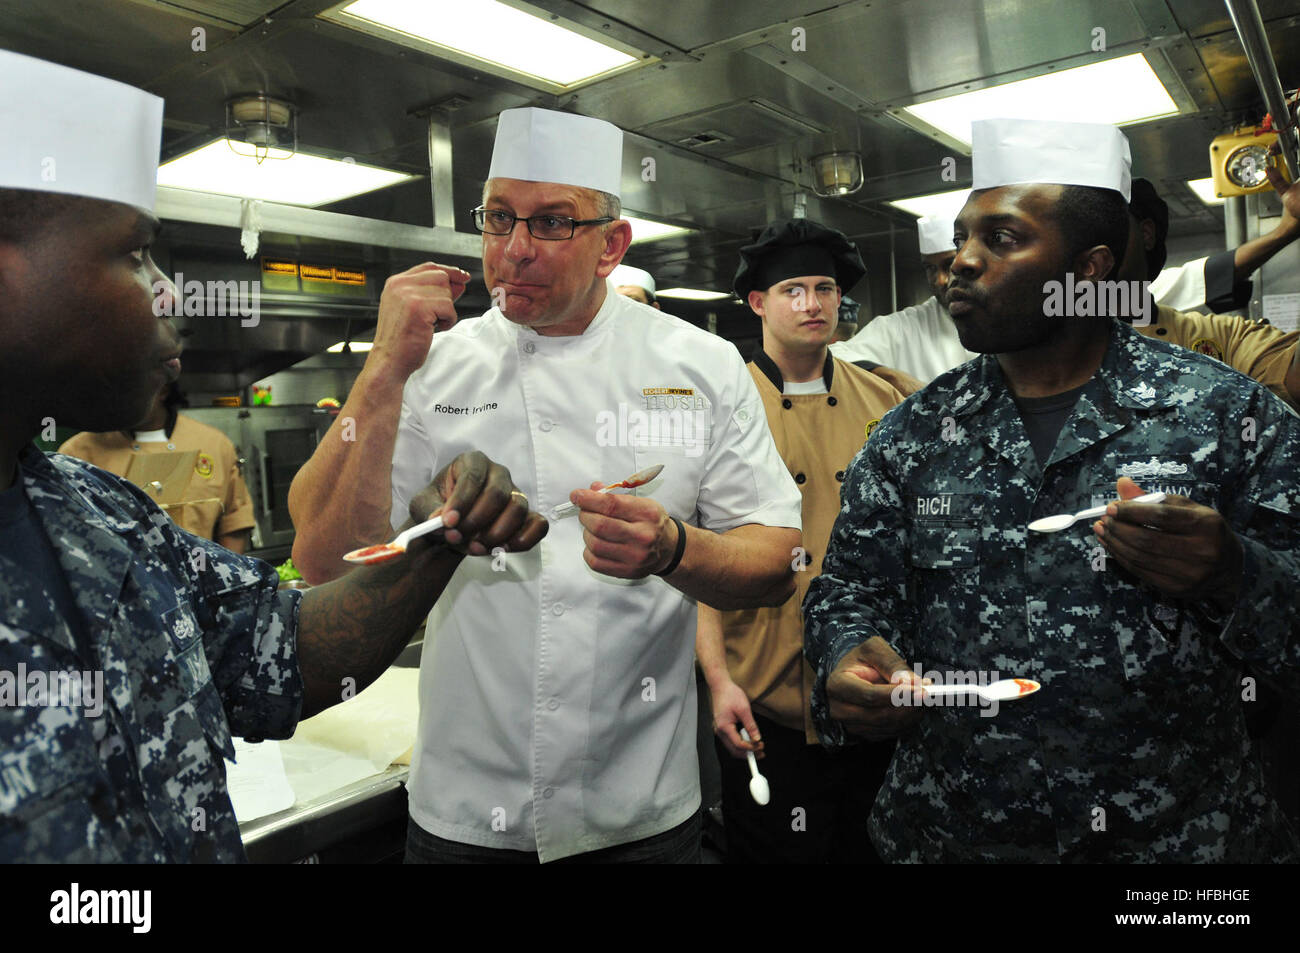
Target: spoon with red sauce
1000, 691
370, 555
640, 478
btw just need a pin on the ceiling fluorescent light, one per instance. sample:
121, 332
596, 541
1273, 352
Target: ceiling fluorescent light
287, 178
507, 39
692, 294
1119, 91
644, 230
940, 203
1204, 189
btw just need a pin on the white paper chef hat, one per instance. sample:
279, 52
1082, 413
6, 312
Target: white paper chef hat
77, 133
627, 275
542, 145
934, 232
1014, 151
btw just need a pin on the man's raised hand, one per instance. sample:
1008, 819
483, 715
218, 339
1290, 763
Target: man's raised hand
415, 304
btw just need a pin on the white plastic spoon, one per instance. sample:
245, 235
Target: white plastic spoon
369, 555
758, 788
640, 478
998, 691
1054, 524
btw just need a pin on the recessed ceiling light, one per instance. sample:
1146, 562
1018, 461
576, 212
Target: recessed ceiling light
1204, 189
692, 294
287, 178
507, 39
644, 230
1120, 91
939, 203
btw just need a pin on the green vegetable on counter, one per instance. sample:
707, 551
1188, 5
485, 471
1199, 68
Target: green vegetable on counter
288, 571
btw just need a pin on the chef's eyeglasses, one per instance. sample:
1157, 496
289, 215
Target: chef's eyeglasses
549, 228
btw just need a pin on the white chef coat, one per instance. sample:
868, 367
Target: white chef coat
920, 340
1181, 287
558, 709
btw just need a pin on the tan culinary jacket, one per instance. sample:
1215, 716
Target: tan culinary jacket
817, 435
1257, 350
216, 502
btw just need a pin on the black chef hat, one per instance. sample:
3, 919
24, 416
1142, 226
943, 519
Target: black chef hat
1147, 203
792, 249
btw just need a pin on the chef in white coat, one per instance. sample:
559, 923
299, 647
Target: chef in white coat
920, 340
558, 708
635, 283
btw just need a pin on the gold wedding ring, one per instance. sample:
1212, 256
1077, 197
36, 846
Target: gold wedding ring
523, 497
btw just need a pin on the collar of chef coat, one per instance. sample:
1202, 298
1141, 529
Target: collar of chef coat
1131, 371
571, 345
773, 373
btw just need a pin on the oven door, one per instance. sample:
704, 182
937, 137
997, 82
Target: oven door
277, 442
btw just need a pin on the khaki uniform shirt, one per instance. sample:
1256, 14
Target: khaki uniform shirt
216, 503
817, 436
1257, 350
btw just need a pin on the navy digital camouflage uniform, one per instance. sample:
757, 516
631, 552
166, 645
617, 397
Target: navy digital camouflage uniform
195, 644
1141, 710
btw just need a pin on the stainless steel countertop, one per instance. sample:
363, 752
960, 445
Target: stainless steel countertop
304, 829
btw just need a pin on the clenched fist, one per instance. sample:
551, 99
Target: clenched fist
414, 305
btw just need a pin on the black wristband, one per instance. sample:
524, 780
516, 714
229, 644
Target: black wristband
681, 548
